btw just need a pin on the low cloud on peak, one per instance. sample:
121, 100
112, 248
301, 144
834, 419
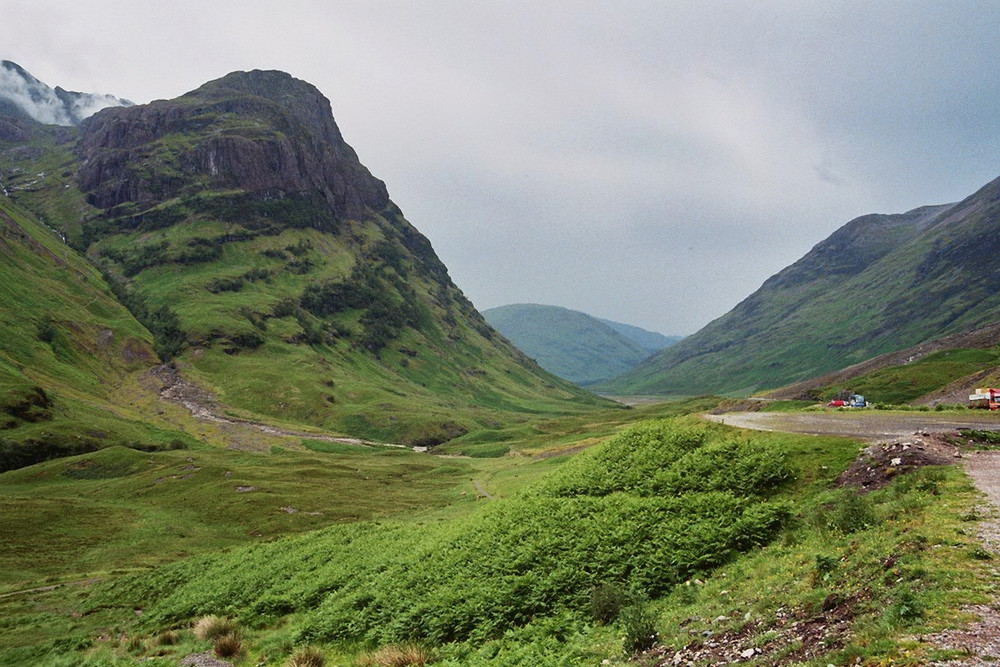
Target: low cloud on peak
46, 105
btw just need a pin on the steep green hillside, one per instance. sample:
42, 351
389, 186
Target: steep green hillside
880, 283
571, 344
71, 356
908, 382
271, 266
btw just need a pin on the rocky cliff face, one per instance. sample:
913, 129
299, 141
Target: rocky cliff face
260, 132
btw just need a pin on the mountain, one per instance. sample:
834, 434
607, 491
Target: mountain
880, 283
650, 340
270, 266
571, 344
23, 95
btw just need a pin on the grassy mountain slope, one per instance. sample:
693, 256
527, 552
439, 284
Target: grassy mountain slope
69, 353
244, 233
944, 370
571, 344
881, 283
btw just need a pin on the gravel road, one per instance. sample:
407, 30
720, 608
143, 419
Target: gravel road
868, 425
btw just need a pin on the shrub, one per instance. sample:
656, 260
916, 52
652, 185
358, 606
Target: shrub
606, 601
211, 627
850, 513
285, 308
980, 553
639, 625
300, 248
227, 645
306, 657
168, 638
232, 284
825, 567
46, 331
273, 253
395, 656
247, 340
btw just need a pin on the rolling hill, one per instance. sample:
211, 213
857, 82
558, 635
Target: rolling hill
879, 284
271, 268
573, 345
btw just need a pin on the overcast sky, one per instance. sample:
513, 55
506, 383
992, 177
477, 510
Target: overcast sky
648, 162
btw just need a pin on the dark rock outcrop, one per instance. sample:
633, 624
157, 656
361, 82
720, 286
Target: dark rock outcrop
260, 132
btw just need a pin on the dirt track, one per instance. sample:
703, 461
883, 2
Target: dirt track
203, 407
868, 425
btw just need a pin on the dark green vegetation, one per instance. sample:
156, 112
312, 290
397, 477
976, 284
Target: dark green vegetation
248, 245
880, 283
645, 533
574, 345
532, 555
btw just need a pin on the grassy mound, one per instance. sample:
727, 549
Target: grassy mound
536, 554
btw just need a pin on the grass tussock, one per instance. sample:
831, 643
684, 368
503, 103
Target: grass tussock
136, 644
227, 645
306, 657
209, 628
639, 624
404, 655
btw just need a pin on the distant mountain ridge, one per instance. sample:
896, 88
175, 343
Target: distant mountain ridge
573, 345
880, 283
652, 341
